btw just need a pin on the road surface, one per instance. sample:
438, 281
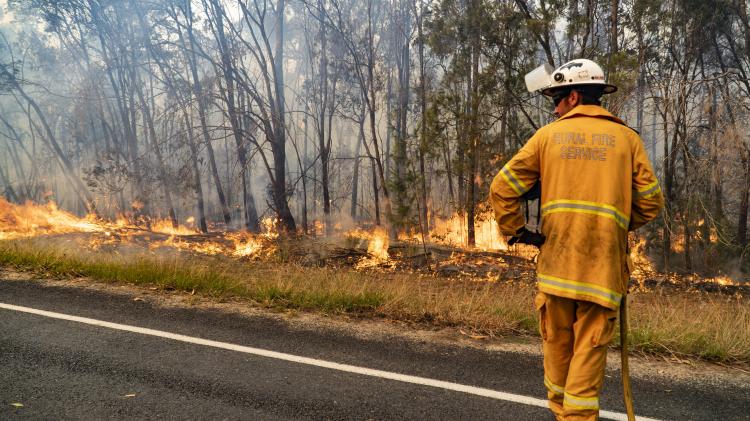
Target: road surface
75, 353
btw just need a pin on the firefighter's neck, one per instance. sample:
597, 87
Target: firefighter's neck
571, 101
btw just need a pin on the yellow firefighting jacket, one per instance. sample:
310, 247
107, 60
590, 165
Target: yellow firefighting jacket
597, 184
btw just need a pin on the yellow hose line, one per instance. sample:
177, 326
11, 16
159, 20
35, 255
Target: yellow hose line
626, 392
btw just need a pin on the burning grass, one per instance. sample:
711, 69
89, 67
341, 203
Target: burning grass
491, 308
694, 324
266, 283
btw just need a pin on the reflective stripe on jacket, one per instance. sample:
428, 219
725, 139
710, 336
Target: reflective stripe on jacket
597, 184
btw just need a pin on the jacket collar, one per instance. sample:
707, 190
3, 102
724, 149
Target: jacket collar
591, 111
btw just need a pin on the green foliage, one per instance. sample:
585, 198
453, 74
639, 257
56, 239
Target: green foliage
484, 126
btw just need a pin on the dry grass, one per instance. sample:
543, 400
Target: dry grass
710, 327
480, 306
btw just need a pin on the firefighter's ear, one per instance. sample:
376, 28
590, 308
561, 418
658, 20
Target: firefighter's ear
575, 98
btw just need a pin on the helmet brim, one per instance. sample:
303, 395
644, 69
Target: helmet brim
606, 88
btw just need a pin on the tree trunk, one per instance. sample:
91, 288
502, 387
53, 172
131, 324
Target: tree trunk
249, 212
190, 58
744, 197
322, 144
376, 193
17, 162
247, 125
667, 211
355, 175
305, 163
143, 211
474, 134
425, 223
196, 174
388, 126
462, 140
641, 84
716, 173
278, 146
398, 183
370, 97
10, 193
686, 231
614, 18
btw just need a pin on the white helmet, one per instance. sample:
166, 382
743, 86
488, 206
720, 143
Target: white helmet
573, 73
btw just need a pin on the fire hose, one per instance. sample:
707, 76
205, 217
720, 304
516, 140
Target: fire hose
626, 392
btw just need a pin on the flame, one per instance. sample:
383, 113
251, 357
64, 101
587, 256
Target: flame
452, 231
30, 220
722, 280
378, 245
376, 241
207, 247
164, 226
254, 245
639, 258
271, 227
246, 244
678, 239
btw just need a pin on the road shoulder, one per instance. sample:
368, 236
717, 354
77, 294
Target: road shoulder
419, 335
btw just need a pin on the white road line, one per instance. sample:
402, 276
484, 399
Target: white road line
510, 397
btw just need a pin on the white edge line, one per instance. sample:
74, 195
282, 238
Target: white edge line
479, 391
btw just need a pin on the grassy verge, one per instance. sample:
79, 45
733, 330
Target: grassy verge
710, 327
269, 284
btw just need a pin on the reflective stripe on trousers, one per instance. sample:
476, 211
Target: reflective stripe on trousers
577, 402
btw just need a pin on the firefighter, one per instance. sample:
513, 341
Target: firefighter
597, 184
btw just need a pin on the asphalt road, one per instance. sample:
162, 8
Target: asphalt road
61, 369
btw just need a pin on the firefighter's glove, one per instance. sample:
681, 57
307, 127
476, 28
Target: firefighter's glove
524, 236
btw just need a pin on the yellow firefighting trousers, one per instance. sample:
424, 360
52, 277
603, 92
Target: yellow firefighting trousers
575, 335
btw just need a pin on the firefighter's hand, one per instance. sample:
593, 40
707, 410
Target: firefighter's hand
524, 236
